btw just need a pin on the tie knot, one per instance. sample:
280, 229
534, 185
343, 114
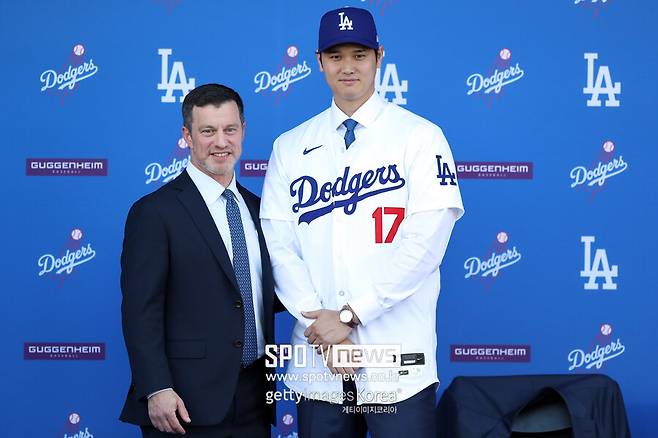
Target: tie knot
229, 195
350, 124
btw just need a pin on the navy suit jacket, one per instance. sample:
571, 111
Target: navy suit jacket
182, 313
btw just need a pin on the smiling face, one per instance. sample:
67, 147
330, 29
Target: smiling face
215, 140
349, 70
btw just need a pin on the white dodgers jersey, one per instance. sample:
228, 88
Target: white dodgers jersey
347, 206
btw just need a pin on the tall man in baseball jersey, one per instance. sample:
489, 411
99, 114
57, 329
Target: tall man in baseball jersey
358, 206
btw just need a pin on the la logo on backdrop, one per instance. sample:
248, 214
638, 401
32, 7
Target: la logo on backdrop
598, 268
389, 82
278, 82
64, 81
602, 84
61, 264
603, 348
594, 178
499, 257
492, 84
176, 162
174, 79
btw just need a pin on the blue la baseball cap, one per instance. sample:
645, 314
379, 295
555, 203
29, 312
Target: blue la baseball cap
347, 25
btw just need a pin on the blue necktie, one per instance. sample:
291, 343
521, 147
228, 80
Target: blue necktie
349, 134
243, 275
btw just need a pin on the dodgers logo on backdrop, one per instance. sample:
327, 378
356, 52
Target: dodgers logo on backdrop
73, 427
606, 347
390, 82
286, 426
500, 257
76, 254
176, 80
597, 268
172, 167
501, 74
289, 71
607, 165
345, 192
79, 68
601, 85
594, 5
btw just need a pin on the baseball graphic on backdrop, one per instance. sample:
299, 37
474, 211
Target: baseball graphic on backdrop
606, 329
292, 51
502, 237
78, 49
74, 418
182, 143
608, 146
76, 234
287, 419
505, 54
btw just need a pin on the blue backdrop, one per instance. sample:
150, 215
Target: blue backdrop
552, 257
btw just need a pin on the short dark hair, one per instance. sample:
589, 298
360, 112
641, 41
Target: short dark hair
376, 53
209, 94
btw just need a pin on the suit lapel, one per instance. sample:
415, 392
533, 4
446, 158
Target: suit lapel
191, 199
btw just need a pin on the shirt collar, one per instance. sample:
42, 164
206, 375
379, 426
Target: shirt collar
210, 189
365, 115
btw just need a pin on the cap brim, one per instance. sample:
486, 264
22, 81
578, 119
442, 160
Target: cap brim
347, 39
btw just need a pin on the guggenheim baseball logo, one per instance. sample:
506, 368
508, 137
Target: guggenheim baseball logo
64, 351
489, 353
256, 168
66, 167
494, 170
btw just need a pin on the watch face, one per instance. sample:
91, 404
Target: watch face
345, 316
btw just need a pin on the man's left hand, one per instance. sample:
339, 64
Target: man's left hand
326, 329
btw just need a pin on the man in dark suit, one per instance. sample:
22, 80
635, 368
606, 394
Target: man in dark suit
197, 288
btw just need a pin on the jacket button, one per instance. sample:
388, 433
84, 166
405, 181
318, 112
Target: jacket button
238, 304
237, 343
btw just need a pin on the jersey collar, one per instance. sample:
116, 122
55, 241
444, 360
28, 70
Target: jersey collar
365, 115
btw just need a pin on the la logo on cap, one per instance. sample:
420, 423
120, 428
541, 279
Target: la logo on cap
345, 22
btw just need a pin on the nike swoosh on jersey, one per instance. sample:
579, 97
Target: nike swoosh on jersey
307, 150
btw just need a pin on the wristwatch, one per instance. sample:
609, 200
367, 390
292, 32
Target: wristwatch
346, 316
